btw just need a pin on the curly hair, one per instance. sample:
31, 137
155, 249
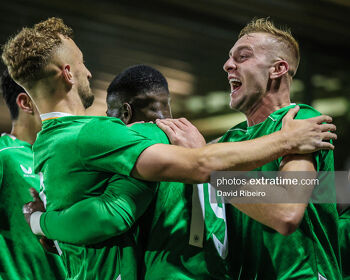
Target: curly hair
27, 53
284, 36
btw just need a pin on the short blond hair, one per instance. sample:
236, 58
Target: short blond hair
27, 53
284, 36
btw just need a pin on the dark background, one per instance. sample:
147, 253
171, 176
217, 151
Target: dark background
188, 41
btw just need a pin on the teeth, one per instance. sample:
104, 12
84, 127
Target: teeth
235, 82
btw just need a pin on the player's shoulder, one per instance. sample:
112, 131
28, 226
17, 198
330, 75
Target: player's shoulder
235, 131
10, 142
4, 141
102, 121
305, 112
97, 124
151, 131
12, 149
82, 121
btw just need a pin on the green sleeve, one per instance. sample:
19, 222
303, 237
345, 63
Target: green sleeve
323, 158
107, 145
151, 131
99, 218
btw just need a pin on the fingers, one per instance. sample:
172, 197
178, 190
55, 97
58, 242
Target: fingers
328, 136
326, 146
292, 113
168, 123
181, 125
175, 124
328, 127
26, 209
34, 194
321, 119
185, 122
166, 128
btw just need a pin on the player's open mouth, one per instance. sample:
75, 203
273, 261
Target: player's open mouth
235, 84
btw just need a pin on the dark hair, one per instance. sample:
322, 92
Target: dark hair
136, 80
10, 91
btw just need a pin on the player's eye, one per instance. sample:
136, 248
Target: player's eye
243, 56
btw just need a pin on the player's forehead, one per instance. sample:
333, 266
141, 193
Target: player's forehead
162, 96
252, 42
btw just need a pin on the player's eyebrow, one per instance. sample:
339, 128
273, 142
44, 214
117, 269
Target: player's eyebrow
240, 48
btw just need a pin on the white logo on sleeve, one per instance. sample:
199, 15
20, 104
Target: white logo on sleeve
27, 171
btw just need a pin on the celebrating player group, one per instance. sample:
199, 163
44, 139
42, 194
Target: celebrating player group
126, 196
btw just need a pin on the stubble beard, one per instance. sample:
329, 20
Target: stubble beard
86, 96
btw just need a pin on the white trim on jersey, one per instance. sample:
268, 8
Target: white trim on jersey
9, 135
320, 277
53, 115
57, 247
220, 212
19, 147
197, 217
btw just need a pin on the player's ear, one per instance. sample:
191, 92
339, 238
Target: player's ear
25, 103
126, 114
278, 69
67, 75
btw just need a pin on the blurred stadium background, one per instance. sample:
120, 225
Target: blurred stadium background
188, 41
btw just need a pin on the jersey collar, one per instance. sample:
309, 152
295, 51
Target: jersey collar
53, 115
9, 135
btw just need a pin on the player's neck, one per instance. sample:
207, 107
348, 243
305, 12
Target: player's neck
67, 105
23, 131
270, 103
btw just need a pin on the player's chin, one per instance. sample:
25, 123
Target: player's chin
234, 103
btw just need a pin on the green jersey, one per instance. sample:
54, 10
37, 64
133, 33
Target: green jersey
245, 240
77, 157
22, 257
344, 241
176, 242
186, 236
312, 251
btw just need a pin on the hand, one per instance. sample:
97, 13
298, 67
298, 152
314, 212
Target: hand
33, 206
48, 245
310, 135
181, 132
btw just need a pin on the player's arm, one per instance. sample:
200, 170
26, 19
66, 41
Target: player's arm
283, 217
172, 163
95, 219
